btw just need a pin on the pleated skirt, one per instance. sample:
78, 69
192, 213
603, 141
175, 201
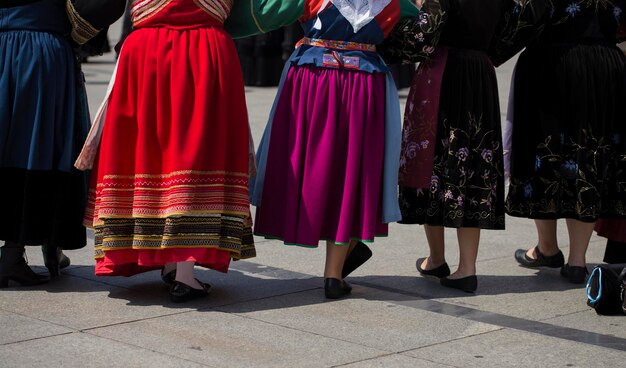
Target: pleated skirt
170, 182
323, 179
568, 154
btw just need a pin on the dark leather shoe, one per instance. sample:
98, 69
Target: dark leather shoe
438, 272
554, 261
181, 292
20, 273
169, 277
574, 274
359, 255
335, 288
468, 284
54, 260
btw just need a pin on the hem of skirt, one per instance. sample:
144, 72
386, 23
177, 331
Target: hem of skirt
554, 216
369, 241
451, 226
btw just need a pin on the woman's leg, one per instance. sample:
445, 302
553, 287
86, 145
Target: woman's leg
184, 274
469, 238
579, 236
546, 239
335, 258
436, 245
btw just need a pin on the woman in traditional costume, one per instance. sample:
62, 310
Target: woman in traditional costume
329, 156
43, 123
169, 186
568, 156
451, 168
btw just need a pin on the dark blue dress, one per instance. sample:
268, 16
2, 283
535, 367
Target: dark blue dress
43, 122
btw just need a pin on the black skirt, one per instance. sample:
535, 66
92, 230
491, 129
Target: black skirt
467, 185
568, 154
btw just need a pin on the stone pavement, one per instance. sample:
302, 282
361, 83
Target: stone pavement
270, 311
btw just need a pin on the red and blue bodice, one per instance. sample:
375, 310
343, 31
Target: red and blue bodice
333, 39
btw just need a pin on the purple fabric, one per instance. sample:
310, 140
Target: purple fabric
420, 122
325, 161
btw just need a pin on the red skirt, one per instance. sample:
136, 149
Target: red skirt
612, 229
170, 181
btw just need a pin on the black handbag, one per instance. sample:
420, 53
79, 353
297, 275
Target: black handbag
605, 289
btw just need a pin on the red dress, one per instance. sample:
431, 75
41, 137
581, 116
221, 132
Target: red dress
170, 180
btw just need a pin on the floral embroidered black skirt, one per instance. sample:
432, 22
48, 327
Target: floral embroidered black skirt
568, 154
467, 185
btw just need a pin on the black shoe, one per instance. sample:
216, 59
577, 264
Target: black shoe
359, 255
574, 274
169, 277
468, 284
20, 273
438, 272
335, 288
554, 261
181, 292
54, 259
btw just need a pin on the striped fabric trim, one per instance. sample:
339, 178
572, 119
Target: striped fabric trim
180, 193
142, 10
229, 233
220, 9
82, 30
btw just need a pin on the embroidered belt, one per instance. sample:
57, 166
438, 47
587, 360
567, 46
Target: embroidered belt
337, 45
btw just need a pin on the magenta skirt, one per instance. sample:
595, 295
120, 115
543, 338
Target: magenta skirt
323, 179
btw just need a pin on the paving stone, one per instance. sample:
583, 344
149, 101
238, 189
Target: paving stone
84, 350
16, 328
588, 320
368, 317
226, 340
395, 361
78, 303
507, 348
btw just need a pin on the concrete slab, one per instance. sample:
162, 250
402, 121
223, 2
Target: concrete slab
16, 328
395, 361
84, 350
503, 288
369, 317
78, 303
508, 348
225, 340
243, 282
588, 320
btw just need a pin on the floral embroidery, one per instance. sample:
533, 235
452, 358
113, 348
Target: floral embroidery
457, 197
570, 179
573, 9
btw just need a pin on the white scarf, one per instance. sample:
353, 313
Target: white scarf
358, 12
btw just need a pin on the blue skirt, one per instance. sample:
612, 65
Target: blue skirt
43, 122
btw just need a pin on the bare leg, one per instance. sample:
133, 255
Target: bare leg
184, 274
169, 267
546, 239
469, 238
436, 245
579, 236
335, 258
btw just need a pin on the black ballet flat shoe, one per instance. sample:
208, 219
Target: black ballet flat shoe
468, 284
181, 292
335, 288
554, 261
20, 273
55, 260
359, 255
574, 274
169, 277
438, 272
